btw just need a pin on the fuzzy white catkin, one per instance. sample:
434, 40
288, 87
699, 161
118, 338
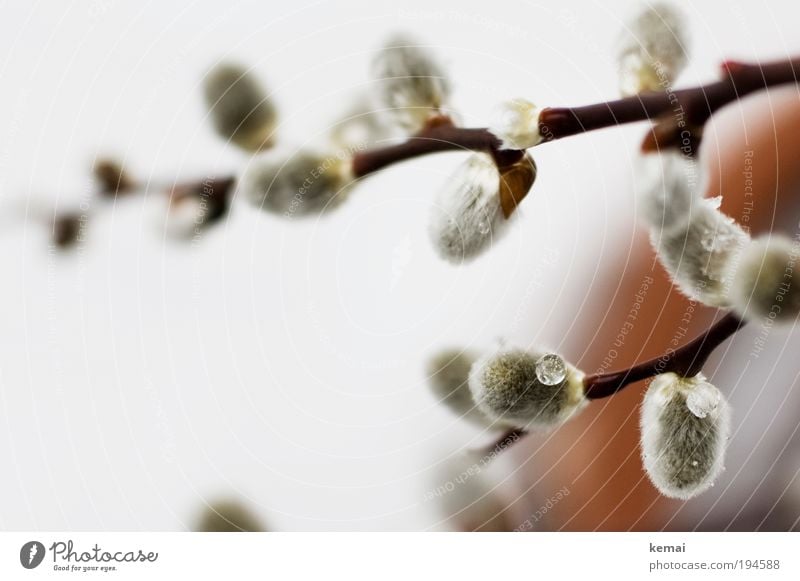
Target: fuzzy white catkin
296, 183
701, 255
239, 107
685, 423
466, 495
409, 83
360, 127
765, 285
516, 124
448, 379
652, 49
505, 386
228, 516
467, 217
669, 185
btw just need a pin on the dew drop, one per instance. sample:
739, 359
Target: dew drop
550, 369
483, 227
695, 462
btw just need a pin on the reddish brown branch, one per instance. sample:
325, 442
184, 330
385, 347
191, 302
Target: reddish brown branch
215, 194
505, 441
692, 107
686, 361
443, 137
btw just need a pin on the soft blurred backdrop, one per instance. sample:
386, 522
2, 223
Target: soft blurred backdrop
282, 363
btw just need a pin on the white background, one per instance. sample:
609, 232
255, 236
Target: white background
283, 363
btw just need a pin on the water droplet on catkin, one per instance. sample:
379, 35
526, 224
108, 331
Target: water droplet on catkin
551, 369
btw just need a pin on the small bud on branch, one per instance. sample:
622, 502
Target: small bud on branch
239, 107
701, 256
113, 178
473, 208
516, 124
67, 229
652, 49
764, 285
448, 379
668, 187
296, 183
523, 389
412, 86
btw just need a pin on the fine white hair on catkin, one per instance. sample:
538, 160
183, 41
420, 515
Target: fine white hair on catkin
765, 285
448, 378
685, 423
506, 387
516, 124
467, 216
652, 49
359, 126
409, 83
701, 255
669, 185
296, 183
239, 107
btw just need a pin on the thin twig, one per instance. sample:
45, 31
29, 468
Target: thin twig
693, 107
687, 361
433, 139
505, 441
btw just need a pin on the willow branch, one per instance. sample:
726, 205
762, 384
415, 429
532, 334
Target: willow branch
433, 139
505, 441
691, 107
214, 192
686, 361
